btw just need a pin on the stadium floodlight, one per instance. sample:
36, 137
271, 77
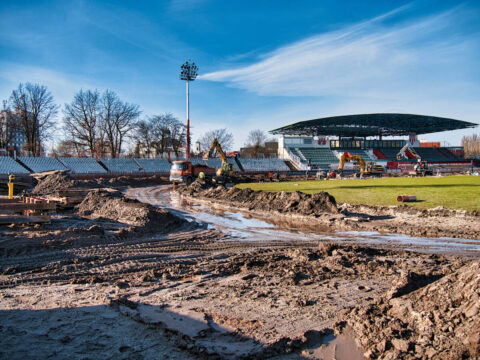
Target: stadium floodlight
189, 73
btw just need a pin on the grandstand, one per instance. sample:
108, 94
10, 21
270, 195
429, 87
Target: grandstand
82, 165
118, 165
264, 165
153, 165
321, 141
39, 164
10, 166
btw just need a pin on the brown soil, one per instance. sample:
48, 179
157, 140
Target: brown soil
282, 202
438, 321
121, 279
114, 206
321, 210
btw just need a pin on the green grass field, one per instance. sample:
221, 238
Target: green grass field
454, 192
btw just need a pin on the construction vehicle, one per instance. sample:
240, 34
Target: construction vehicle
183, 171
226, 172
421, 168
366, 169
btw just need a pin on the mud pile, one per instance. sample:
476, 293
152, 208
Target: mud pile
53, 183
112, 205
438, 321
283, 202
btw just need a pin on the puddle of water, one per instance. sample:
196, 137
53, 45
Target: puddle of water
240, 226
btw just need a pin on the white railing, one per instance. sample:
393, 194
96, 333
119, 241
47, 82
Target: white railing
297, 161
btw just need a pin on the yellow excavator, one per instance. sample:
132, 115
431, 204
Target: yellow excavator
227, 170
369, 168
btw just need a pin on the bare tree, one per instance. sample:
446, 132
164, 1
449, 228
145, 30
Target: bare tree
256, 138
117, 121
36, 108
81, 119
178, 133
65, 148
471, 145
143, 137
223, 136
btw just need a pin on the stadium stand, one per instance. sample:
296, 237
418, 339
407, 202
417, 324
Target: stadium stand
125, 165
447, 153
10, 166
154, 165
264, 165
364, 154
318, 156
82, 165
389, 153
39, 164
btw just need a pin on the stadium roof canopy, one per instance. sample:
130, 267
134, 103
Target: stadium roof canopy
361, 125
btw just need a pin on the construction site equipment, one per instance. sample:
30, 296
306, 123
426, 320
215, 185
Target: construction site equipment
421, 168
369, 168
406, 198
10, 186
25, 210
182, 171
227, 170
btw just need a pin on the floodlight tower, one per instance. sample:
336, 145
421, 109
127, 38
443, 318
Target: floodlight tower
189, 73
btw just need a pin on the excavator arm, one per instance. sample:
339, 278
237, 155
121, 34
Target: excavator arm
349, 157
402, 153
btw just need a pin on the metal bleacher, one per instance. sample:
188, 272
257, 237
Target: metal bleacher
430, 154
318, 156
364, 154
117, 165
390, 153
154, 165
39, 164
10, 166
82, 165
264, 165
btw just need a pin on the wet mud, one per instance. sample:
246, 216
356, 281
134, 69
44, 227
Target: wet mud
119, 278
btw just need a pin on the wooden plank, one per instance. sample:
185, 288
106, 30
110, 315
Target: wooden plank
29, 206
9, 201
20, 219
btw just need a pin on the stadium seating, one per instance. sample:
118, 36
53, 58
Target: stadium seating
154, 165
391, 153
39, 164
10, 166
82, 165
364, 154
264, 165
125, 165
447, 153
318, 156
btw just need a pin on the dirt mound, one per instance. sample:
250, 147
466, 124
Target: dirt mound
112, 205
53, 183
438, 321
283, 202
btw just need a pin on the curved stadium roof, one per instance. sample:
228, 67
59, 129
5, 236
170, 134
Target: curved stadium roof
386, 124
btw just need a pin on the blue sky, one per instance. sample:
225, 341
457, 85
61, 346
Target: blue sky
263, 64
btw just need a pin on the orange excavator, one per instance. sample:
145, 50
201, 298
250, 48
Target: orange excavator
369, 168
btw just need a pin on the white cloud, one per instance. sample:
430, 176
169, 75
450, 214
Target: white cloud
382, 58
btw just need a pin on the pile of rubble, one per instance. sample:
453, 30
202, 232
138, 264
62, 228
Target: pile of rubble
283, 202
113, 205
437, 321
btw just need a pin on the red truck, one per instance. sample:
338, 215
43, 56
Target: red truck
184, 171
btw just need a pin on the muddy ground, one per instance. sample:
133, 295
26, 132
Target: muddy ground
322, 210
118, 279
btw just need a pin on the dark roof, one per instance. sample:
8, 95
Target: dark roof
373, 125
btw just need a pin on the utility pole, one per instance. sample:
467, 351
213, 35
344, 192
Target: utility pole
188, 73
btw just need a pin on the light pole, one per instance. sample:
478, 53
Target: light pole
189, 73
